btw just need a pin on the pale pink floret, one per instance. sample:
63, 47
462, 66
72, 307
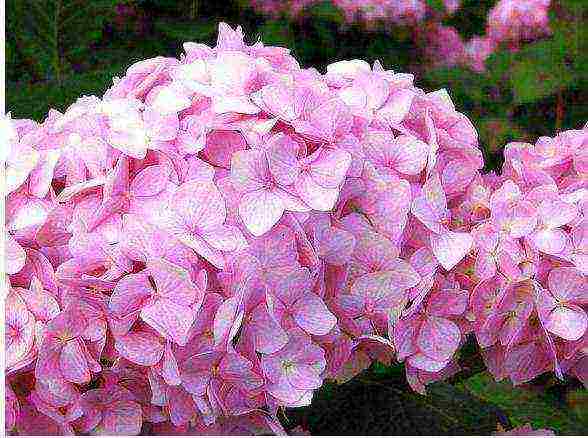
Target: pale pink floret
578, 252
196, 215
294, 371
560, 306
430, 208
380, 281
14, 256
511, 212
553, 214
111, 410
404, 154
289, 296
316, 178
262, 200
164, 297
20, 326
525, 430
429, 339
64, 358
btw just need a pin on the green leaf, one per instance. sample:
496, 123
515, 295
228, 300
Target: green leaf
182, 31
576, 6
54, 35
539, 70
578, 402
495, 132
34, 101
327, 11
276, 32
369, 405
436, 5
526, 406
532, 81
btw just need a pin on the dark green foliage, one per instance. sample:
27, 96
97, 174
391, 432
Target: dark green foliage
53, 39
373, 404
32, 100
543, 404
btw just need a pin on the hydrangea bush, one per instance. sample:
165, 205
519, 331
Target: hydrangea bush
218, 235
510, 23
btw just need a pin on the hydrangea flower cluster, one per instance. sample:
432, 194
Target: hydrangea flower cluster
219, 234
405, 12
525, 430
509, 24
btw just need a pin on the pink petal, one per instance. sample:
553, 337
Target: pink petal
228, 320
336, 246
123, 418
282, 161
569, 284
73, 364
221, 146
556, 213
329, 167
397, 107
14, 255
168, 100
568, 322
160, 127
269, 337
260, 210
311, 314
425, 363
150, 181
170, 319
304, 376
40, 178
551, 242
408, 155
450, 248
129, 294
174, 282
140, 347
181, 406
249, 169
316, 196
200, 204
448, 302
439, 338
203, 249
288, 283
285, 392
224, 238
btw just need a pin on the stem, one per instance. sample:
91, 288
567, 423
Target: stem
194, 9
56, 58
559, 111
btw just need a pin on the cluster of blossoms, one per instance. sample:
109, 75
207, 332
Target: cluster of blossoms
219, 234
369, 12
525, 430
509, 23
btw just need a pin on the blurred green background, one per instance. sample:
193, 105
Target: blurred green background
58, 50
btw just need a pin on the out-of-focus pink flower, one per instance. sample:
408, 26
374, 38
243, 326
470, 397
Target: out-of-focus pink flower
476, 51
513, 21
525, 430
